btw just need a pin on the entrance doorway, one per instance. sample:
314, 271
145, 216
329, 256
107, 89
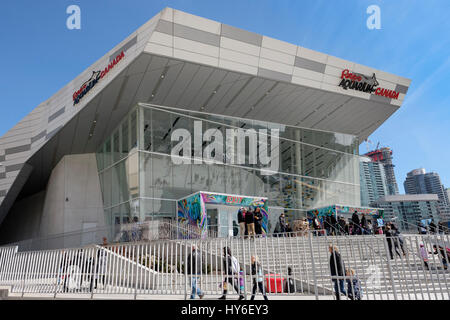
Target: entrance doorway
222, 220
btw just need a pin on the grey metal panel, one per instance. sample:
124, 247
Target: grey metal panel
2, 175
380, 99
38, 136
51, 133
241, 35
124, 48
56, 114
309, 64
14, 167
18, 149
274, 75
196, 35
402, 89
2, 158
164, 27
3, 193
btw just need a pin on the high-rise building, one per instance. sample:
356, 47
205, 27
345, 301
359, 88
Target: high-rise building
408, 209
372, 181
418, 181
384, 156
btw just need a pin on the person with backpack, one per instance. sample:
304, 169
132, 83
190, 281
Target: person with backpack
231, 268
194, 265
258, 278
337, 271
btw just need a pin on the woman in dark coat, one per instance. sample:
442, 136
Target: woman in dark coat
258, 221
337, 270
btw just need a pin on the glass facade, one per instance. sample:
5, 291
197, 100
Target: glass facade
140, 177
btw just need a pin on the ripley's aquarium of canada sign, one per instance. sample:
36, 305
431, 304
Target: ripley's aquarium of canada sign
360, 82
95, 78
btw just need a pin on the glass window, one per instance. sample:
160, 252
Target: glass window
133, 130
125, 139
108, 160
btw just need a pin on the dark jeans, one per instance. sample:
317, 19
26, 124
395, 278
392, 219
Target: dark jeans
340, 287
94, 282
234, 282
396, 249
261, 289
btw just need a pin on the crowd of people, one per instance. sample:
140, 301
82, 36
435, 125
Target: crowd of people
250, 221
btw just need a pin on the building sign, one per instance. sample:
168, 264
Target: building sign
360, 82
95, 78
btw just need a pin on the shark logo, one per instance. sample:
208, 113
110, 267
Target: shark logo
95, 77
367, 84
370, 80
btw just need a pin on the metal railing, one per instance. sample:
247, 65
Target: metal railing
120, 233
288, 266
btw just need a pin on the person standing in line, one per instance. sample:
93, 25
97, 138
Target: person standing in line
258, 278
231, 268
316, 225
250, 221
342, 225
334, 226
355, 223
258, 221
424, 255
432, 227
364, 226
282, 222
241, 221
194, 265
337, 271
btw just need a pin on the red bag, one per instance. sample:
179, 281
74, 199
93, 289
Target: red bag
274, 283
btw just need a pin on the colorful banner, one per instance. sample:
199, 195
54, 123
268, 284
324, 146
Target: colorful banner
192, 210
338, 210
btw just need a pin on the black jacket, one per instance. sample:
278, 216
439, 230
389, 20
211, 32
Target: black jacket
337, 266
355, 219
240, 217
193, 263
364, 222
228, 265
258, 217
249, 217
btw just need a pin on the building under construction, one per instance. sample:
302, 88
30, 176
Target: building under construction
384, 156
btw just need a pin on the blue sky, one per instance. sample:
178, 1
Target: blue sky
40, 55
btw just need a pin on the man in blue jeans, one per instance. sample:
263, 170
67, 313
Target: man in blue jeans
194, 266
337, 272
